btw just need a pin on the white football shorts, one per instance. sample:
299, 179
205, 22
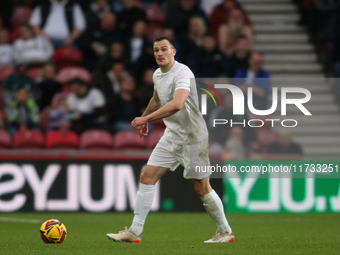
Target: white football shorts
192, 157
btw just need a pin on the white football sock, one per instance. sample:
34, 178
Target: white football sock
143, 204
213, 205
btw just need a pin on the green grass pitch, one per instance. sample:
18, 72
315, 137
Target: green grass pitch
175, 233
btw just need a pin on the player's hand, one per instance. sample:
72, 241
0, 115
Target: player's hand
139, 121
143, 131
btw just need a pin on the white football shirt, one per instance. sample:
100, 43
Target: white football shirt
186, 126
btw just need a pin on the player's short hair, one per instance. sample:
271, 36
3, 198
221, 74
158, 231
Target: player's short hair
162, 37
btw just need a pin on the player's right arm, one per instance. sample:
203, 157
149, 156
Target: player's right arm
154, 105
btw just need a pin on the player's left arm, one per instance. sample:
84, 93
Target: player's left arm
175, 105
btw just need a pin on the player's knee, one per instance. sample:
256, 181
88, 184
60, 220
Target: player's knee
145, 178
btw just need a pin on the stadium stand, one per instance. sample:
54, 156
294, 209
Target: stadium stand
35, 73
274, 29
28, 139
69, 73
5, 140
96, 140
20, 16
67, 57
62, 140
153, 138
128, 140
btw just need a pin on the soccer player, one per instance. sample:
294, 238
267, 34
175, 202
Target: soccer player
185, 142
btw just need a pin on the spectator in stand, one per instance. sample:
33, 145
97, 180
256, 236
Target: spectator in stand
116, 55
147, 88
284, 145
22, 113
30, 49
98, 9
105, 35
234, 148
6, 10
240, 57
48, 87
194, 39
136, 44
146, 61
170, 33
221, 13
128, 17
6, 49
61, 21
15, 81
179, 16
233, 29
110, 83
257, 79
208, 61
220, 133
88, 106
96, 43
209, 5
59, 116
126, 106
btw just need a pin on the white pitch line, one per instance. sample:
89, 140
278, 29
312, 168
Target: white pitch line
8, 219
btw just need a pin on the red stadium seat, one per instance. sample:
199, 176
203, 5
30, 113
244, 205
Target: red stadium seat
1, 99
96, 139
58, 140
69, 73
158, 124
28, 139
35, 73
20, 16
15, 34
128, 139
5, 140
66, 57
156, 20
4, 72
153, 138
44, 119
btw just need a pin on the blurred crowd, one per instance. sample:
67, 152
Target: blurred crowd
322, 17
81, 65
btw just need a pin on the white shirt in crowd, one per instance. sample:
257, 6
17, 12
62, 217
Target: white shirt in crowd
209, 5
186, 126
250, 77
6, 54
56, 25
25, 51
136, 48
94, 99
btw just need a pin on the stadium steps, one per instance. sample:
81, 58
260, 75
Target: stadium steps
269, 18
278, 28
269, 6
296, 68
284, 48
278, 39
292, 61
284, 58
